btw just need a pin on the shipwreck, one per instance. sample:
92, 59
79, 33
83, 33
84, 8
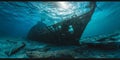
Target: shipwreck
58, 34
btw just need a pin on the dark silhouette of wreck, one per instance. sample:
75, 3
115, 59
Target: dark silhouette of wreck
58, 33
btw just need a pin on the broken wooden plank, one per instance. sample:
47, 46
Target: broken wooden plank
16, 48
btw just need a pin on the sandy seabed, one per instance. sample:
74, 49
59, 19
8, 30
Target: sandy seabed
11, 48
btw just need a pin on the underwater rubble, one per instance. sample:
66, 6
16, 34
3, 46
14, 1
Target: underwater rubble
109, 41
16, 48
101, 46
51, 54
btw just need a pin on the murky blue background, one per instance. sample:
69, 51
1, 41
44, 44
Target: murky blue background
16, 18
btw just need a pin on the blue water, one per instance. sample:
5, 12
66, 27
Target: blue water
104, 20
16, 18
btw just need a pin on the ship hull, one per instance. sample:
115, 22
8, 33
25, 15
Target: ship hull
61, 36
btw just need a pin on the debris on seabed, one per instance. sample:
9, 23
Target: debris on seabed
16, 48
